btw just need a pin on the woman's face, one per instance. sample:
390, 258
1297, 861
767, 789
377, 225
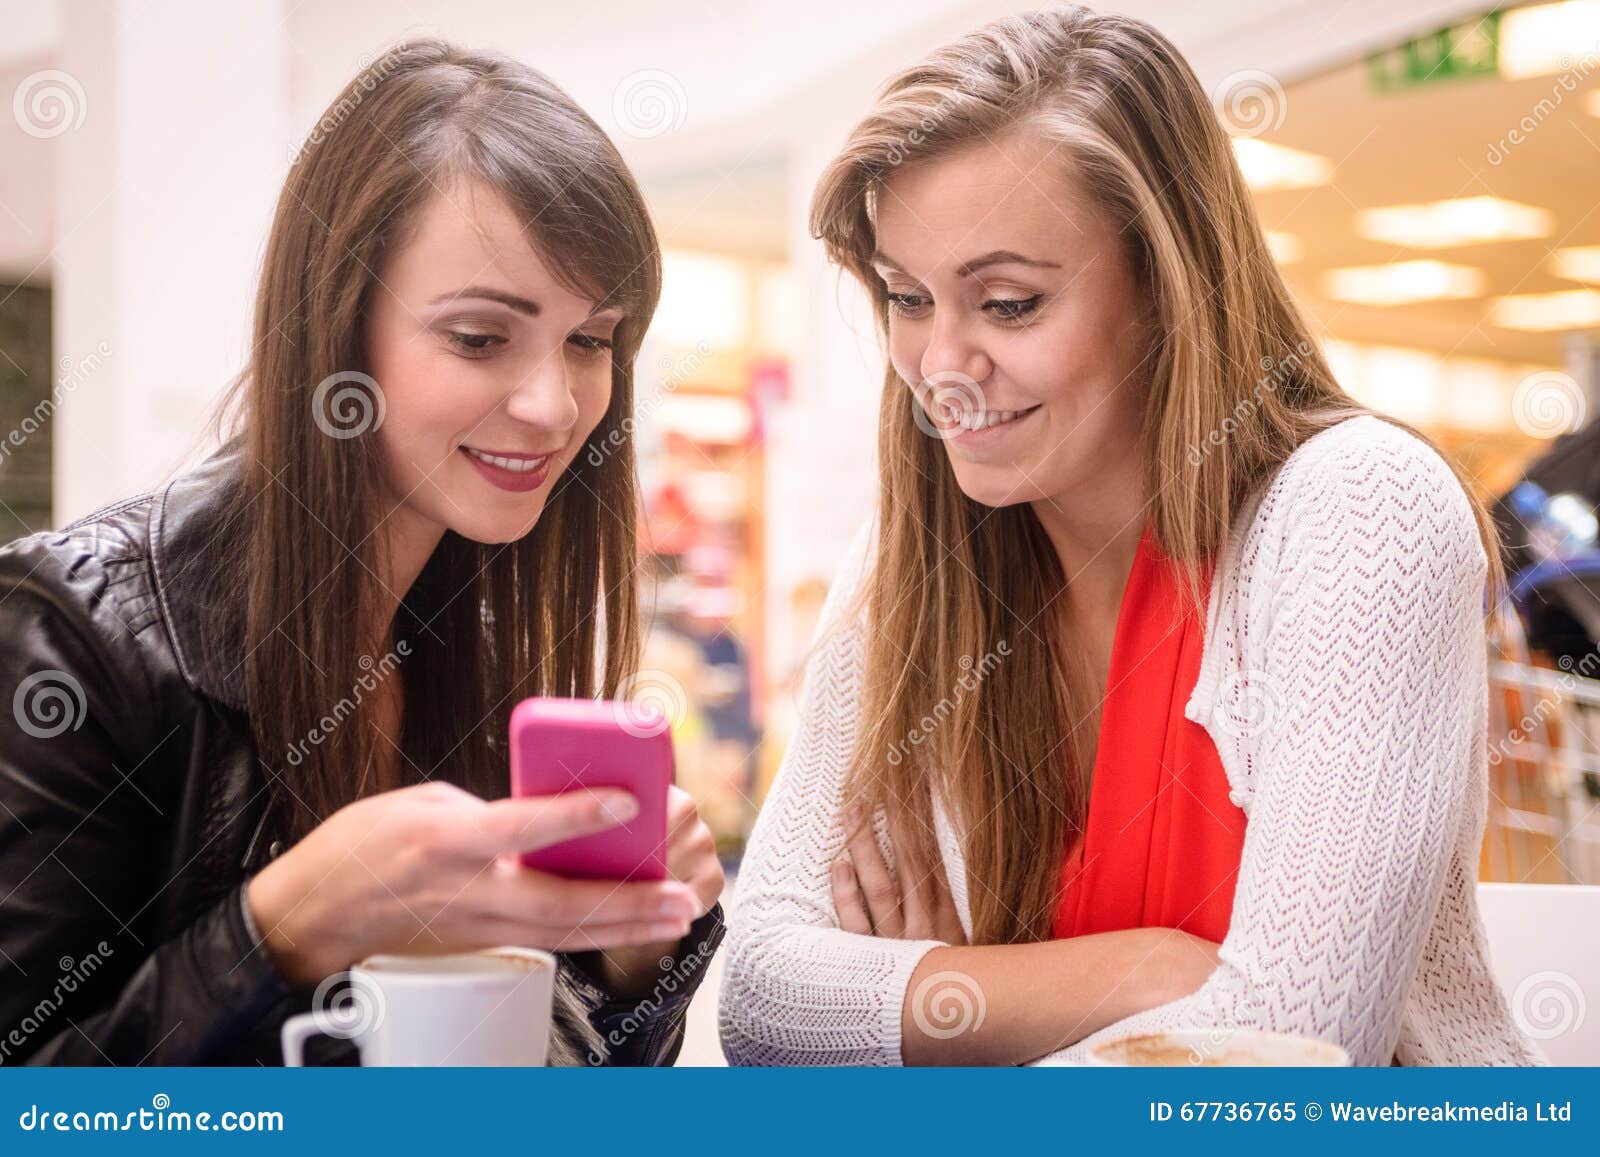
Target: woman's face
1013, 316
493, 374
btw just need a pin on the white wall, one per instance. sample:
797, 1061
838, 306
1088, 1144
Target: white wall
163, 195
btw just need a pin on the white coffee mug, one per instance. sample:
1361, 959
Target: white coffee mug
477, 1008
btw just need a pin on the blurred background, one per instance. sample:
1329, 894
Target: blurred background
1428, 172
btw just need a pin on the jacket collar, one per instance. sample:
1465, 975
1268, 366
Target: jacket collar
196, 529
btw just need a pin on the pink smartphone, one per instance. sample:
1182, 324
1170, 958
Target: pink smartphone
560, 745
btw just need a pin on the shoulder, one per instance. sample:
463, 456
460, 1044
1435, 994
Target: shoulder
1373, 442
77, 605
1366, 485
92, 568
833, 661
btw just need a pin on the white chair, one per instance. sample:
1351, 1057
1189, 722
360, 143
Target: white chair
1544, 946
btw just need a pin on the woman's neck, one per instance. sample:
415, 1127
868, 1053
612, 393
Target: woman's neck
405, 543
1095, 534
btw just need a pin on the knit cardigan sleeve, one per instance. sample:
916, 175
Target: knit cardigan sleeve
1363, 769
796, 988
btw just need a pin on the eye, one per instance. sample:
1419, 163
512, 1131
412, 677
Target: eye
590, 346
1012, 308
907, 304
474, 345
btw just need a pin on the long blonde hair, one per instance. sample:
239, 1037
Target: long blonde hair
952, 580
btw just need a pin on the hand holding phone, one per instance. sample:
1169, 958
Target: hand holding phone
562, 745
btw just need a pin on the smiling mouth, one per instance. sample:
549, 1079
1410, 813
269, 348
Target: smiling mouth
987, 419
516, 463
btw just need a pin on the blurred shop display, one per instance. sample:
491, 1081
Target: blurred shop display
710, 371
1557, 589
1431, 206
1543, 815
1544, 738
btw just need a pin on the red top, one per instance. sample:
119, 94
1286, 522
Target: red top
1163, 840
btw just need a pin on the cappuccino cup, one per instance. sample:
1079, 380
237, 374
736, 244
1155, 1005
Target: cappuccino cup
1216, 1047
475, 1008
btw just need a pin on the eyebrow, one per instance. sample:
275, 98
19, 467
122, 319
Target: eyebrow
997, 257
513, 301
484, 293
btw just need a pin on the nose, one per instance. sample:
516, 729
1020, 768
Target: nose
953, 351
543, 395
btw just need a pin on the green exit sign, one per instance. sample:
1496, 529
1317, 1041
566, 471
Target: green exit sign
1471, 48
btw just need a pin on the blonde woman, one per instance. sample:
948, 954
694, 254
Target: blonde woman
1154, 694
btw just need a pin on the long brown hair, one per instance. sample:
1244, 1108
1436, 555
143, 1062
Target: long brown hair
552, 613
952, 580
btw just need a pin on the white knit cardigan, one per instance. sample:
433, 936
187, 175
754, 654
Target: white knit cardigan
1343, 683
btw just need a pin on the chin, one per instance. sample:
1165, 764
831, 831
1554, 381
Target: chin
995, 488
499, 531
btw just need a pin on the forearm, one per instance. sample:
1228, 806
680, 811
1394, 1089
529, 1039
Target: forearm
1006, 1004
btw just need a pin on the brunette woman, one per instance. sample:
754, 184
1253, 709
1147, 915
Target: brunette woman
260, 714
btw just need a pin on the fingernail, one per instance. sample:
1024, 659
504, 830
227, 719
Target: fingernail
678, 907
675, 930
620, 809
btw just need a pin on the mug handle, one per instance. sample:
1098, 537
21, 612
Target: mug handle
302, 1027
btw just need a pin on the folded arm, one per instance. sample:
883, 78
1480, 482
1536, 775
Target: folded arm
800, 989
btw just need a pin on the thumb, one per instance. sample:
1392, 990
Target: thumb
506, 826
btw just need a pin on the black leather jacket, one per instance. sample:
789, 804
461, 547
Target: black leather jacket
132, 805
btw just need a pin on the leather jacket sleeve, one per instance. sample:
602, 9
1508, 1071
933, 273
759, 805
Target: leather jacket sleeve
81, 847
646, 1030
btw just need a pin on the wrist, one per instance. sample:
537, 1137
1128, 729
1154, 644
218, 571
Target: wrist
297, 954
1178, 964
630, 972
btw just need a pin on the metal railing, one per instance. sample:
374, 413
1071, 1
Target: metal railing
1544, 768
